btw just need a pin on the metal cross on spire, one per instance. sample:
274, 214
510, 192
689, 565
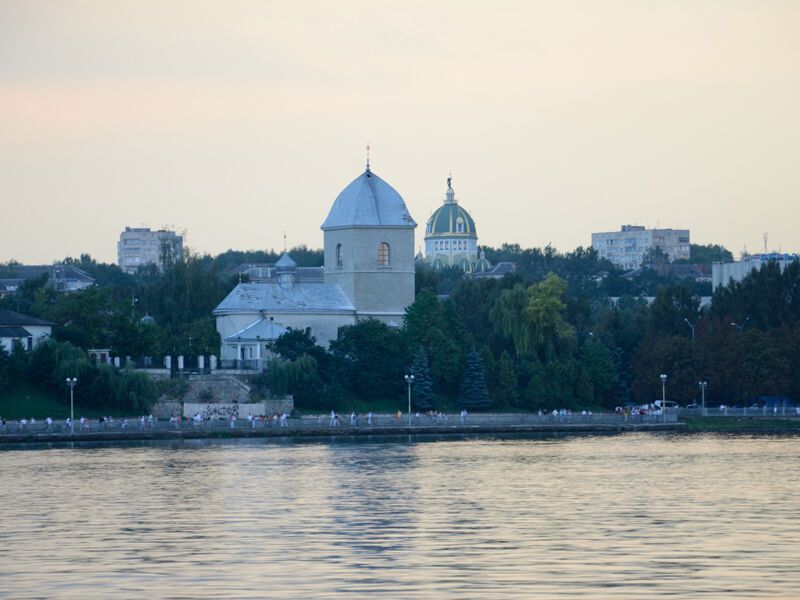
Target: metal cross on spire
367, 156
284, 242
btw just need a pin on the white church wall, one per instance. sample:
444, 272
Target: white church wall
373, 289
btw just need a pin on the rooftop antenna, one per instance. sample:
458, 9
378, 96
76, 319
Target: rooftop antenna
766, 237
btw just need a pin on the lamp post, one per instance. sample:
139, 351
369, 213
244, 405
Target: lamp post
72, 382
410, 381
664, 396
693, 325
703, 385
740, 327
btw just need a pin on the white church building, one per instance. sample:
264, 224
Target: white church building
368, 240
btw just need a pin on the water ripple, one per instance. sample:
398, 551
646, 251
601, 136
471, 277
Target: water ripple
629, 516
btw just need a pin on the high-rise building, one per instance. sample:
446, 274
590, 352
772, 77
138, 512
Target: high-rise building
627, 247
139, 246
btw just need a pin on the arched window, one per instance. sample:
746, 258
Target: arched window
383, 254
460, 225
339, 255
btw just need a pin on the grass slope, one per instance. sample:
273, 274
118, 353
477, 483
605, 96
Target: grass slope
29, 400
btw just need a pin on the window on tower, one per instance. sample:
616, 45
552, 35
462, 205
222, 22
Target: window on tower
339, 256
383, 254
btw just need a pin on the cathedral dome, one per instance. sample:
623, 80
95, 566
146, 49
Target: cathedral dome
450, 219
368, 201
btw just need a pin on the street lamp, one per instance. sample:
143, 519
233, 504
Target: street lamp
703, 385
72, 382
410, 381
664, 396
740, 327
693, 325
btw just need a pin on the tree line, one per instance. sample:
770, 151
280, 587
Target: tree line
565, 330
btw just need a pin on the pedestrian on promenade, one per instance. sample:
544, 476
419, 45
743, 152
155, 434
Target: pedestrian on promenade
233, 421
352, 419
333, 418
49, 422
369, 418
151, 422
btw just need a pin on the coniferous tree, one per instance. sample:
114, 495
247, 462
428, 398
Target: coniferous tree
474, 395
422, 396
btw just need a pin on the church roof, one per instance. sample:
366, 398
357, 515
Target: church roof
274, 298
450, 219
444, 222
368, 201
286, 262
263, 329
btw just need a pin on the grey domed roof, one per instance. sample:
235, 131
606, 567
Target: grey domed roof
368, 202
286, 262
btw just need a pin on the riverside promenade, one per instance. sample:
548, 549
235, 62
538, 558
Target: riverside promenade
324, 426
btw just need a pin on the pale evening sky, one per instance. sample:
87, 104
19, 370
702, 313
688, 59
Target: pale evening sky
237, 121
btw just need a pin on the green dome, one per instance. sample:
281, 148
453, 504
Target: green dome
450, 219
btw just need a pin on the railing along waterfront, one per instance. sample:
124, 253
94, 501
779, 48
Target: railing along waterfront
781, 412
362, 421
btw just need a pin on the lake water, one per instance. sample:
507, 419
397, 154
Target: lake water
625, 516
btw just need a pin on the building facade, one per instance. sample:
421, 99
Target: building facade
62, 278
368, 273
627, 247
723, 273
139, 246
28, 331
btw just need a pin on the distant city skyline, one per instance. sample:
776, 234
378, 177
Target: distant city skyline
242, 121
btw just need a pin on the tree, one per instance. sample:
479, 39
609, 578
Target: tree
474, 395
422, 396
436, 327
599, 366
373, 358
545, 314
506, 393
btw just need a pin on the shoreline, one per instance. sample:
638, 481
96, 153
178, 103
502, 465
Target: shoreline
189, 433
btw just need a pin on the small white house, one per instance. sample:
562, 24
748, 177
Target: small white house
29, 331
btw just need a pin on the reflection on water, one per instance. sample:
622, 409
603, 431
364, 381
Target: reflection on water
629, 516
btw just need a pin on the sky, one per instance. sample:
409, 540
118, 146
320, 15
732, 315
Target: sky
237, 122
